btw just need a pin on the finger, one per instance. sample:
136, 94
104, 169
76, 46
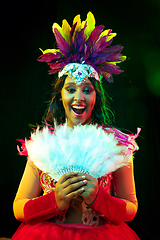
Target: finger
90, 178
73, 180
75, 194
74, 187
64, 189
66, 176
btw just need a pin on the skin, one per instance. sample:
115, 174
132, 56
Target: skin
83, 94
72, 185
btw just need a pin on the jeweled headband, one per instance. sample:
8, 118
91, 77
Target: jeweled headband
83, 51
79, 72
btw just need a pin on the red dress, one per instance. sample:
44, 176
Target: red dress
56, 229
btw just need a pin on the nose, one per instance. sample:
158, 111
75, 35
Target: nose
79, 96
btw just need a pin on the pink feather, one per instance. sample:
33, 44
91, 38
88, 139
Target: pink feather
61, 42
95, 35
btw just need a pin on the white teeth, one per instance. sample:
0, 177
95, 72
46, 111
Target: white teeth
78, 107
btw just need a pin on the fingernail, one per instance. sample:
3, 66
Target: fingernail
83, 177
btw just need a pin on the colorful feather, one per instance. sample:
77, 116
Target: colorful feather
90, 25
62, 43
77, 24
84, 42
66, 30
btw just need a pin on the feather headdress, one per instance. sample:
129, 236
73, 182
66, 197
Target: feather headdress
84, 43
86, 148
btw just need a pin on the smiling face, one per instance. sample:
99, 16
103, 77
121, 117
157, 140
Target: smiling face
78, 101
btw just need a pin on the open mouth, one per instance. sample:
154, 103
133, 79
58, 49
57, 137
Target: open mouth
78, 110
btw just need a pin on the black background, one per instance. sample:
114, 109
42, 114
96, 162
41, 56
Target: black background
25, 90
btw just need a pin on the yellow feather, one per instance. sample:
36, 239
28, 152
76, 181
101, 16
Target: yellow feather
104, 33
41, 50
106, 75
90, 25
112, 63
55, 25
83, 24
50, 51
110, 36
122, 59
77, 20
66, 30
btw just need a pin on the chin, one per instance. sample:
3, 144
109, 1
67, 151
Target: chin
74, 119
77, 121
81, 122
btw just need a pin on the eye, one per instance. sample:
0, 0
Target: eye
87, 90
70, 90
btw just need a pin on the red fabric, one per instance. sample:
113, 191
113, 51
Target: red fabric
36, 210
41, 209
61, 231
110, 208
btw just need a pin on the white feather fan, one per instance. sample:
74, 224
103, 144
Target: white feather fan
86, 149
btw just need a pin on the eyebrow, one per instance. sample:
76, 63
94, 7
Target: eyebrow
83, 83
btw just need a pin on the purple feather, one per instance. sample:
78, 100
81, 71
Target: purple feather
110, 79
113, 53
99, 60
53, 71
72, 29
72, 48
80, 41
110, 68
56, 65
47, 57
114, 49
95, 35
62, 43
100, 45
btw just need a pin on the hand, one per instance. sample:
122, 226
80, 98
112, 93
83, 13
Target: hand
69, 186
90, 189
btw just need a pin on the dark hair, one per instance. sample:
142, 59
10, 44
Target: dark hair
101, 114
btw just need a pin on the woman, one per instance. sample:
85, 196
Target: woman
78, 205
